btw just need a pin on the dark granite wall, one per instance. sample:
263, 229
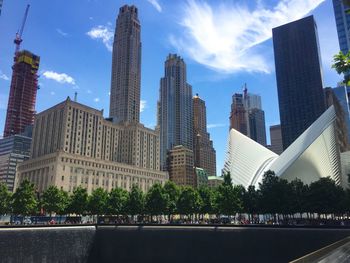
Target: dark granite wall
195, 244
49, 245
134, 244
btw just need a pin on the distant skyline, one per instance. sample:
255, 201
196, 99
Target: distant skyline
224, 45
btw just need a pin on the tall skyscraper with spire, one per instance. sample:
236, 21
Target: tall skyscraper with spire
247, 116
175, 112
126, 67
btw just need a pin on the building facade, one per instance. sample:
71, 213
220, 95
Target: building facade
342, 20
247, 116
341, 128
175, 108
299, 77
201, 177
215, 181
180, 166
238, 115
81, 134
23, 90
276, 139
126, 67
257, 125
203, 150
14, 150
313, 155
342, 93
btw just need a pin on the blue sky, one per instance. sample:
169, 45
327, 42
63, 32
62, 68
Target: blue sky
224, 43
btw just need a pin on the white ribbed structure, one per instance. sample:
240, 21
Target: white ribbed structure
313, 155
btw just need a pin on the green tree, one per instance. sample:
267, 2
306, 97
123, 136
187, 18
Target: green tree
207, 200
227, 201
79, 201
117, 201
251, 201
54, 200
5, 199
24, 200
64, 202
189, 201
97, 202
342, 65
227, 179
156, 200
299, 196
275, 195
325, 197
135, 202
239, 191
172, 191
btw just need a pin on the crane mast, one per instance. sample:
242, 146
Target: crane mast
18, 38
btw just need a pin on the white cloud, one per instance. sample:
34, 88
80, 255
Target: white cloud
105, 33
226, 37
156, 5
59, 31
96, 99
89, 91
53, 93
143, 105
3, 76
216, 125
59, 77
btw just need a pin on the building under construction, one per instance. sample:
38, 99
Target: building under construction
23, 90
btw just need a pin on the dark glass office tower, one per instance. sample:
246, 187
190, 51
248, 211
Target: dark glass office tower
299, 77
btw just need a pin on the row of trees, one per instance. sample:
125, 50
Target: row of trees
274, 196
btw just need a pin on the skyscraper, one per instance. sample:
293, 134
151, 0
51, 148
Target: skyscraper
23, 90
257, 125
299, 77
126, 67
341, 129
203, 150
13, 151
180, 166
276, 139
342, 20
343, 93
238, 116
247, 116
175, 112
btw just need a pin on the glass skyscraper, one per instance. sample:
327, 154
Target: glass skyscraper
175, 108
342, 93
299, 77
342, 20
13, 150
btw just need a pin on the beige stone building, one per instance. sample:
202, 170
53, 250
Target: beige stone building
215, 181
74, 145
180, 165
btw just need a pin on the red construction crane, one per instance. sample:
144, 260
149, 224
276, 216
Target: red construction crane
18, 38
